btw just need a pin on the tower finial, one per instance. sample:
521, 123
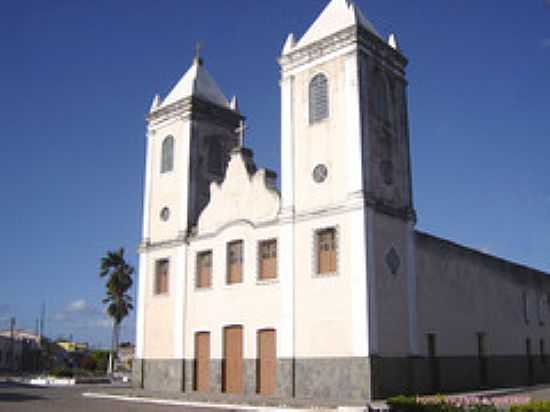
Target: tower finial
198, 58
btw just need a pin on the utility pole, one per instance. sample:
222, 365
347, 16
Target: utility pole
12, 344
41, 331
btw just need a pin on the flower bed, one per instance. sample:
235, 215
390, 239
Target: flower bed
466, 404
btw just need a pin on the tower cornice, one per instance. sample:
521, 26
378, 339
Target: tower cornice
354, 36
196, 109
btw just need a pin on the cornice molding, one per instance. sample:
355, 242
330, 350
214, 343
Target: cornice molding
147, 246
407, 214
356, 201
353, 35
195, 109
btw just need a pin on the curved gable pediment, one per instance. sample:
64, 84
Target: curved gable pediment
246, 194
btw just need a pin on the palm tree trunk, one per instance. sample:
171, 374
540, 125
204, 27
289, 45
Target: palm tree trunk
114, 347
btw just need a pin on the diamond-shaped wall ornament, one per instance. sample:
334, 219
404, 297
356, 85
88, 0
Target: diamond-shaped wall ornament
393, 261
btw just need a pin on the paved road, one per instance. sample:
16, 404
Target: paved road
20, 398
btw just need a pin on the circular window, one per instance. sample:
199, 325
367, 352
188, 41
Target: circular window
165, 214
320, 173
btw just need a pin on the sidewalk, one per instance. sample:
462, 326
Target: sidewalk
257, 403
224, 401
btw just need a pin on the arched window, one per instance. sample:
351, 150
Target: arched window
167, 161
318, 99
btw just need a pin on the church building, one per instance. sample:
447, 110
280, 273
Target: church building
323, 289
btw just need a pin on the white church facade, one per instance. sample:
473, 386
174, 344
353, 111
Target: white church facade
323, 289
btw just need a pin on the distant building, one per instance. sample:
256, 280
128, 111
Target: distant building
20, 354
72, 347
126, 353
11, 354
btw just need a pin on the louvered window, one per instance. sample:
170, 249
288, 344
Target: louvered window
318, 99
204, 270
167, 161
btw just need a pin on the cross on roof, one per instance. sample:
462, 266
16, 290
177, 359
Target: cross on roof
198, 48
241, 130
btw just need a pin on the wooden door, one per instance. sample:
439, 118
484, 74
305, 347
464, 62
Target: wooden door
202, 361
233, 359
267, 362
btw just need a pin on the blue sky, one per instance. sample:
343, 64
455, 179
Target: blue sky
78, 77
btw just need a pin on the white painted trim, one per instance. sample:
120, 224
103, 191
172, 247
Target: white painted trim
179, 287
411, 280
353, 125
285, 338
287, 143
140, 318
340, 52
146, 230
371, 285
359, 299
365, 139
184, 142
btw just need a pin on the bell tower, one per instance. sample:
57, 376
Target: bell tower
190, 135
346, 164
344, 114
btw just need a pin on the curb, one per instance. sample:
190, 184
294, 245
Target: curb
171, 402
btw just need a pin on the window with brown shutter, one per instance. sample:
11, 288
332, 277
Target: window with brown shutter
268, 260
204, 270
161, 276
326, 251
235, 262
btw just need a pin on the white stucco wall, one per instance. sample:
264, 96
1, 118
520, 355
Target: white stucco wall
254, 304
158, 310
324, 308
169, 189
462, 292
391, 290
323, 142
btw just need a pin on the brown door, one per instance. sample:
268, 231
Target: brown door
233, 359
202, 360
267, 362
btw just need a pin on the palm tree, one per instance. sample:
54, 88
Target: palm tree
119, 274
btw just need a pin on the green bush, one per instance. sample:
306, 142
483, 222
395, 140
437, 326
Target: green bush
438, 404
543, 406
101, 358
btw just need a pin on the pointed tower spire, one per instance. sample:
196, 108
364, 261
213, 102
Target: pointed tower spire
290, 43
392, 42
155, 104
337, 16
197, 82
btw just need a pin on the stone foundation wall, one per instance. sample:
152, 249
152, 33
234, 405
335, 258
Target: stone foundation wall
420, 375
163, 375
334, 379
354, 379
